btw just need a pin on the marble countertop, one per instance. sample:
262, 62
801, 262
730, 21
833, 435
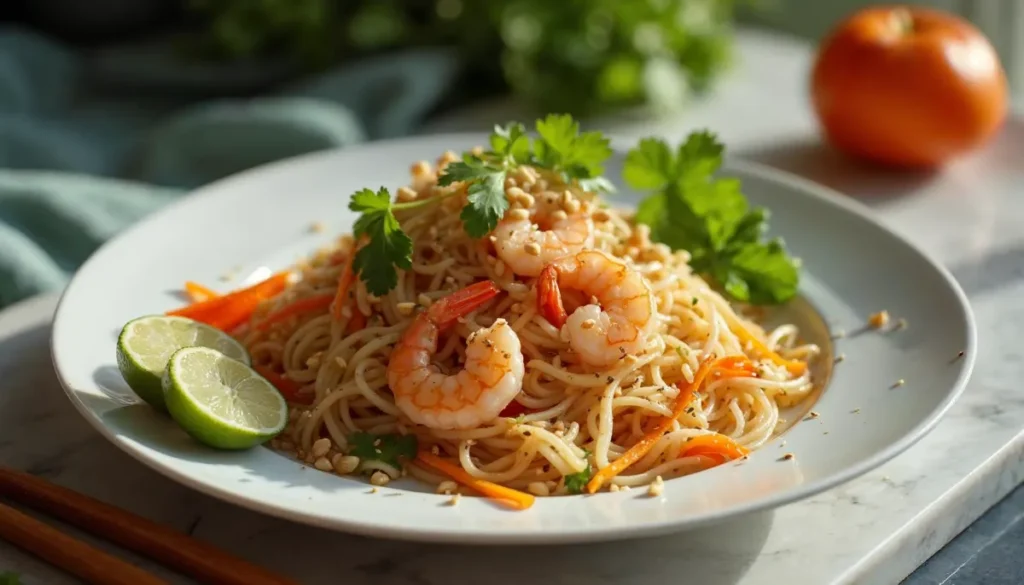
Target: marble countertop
875, 529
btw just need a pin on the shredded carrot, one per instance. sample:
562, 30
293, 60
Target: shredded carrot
227, 312
306, 305
199, 293
714, 445
344, 284
796, 368
288, 388
508, 496
637, 451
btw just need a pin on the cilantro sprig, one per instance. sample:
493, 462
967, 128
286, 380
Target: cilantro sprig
559, 147
690, 209
389, 449
575, 483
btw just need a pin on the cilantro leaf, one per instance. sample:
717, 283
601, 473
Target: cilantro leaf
575, 483
650, 165
511, 141
387, 248
485, 205
10, 578
486, 202
561, 147
389, 449
690, 209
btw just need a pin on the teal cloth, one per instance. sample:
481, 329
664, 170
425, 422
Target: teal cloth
91, 142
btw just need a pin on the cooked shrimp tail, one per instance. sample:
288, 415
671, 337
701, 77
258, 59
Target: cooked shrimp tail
621, 320
460, 303
550, 297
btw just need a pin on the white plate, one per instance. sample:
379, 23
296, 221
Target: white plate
853, 267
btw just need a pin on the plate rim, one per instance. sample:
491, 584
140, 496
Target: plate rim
455, 534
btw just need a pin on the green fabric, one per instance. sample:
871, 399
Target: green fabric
91, 142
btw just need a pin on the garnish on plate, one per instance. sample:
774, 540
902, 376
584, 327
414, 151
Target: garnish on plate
690, 209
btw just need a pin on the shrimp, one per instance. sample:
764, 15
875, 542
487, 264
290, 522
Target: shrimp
618, 325
489, 381
554, 236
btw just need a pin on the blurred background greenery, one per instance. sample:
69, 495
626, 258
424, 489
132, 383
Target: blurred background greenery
580, 56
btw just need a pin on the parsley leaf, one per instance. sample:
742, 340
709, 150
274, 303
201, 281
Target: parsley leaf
689, 209
575, 483
10, 578
389, 449
387, 247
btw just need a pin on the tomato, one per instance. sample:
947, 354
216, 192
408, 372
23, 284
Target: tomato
908, 87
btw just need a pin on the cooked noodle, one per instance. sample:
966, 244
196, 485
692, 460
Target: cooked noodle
575, 412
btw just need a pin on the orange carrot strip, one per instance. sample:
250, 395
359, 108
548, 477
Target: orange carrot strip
508, 496
714, 445
796, 368
306, 305
637, 451
357, 323
288, 388
344, 284
198, 292
231, 310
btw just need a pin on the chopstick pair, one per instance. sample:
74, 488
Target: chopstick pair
175, 550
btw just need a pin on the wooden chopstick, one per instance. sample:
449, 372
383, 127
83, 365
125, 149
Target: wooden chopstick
175, 550
74, 556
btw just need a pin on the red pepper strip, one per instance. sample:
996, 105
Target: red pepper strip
288, 388
228, 311
306, 305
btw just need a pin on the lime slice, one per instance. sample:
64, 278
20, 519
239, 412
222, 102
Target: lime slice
222, 402
146, 344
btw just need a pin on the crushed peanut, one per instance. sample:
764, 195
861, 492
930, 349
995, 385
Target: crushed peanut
879, 319
532, 248
321, 447
538, 488
380, 478
345, 464
406, 194
318, 227
322, 464
406, 308
519, 214
656, 488
447, 487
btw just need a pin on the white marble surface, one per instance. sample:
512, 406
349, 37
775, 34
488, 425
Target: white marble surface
875, 529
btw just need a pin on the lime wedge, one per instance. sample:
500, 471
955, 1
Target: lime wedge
220, 401
146, 344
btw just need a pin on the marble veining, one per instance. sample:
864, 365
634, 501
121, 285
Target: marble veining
875, 529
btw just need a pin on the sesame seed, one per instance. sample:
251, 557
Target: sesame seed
318, 227
855, 411
788, 456
901, 324
898, 383
588, 324
839, 334
840, 357
454, 501
532, 249
814, 414
340, 361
